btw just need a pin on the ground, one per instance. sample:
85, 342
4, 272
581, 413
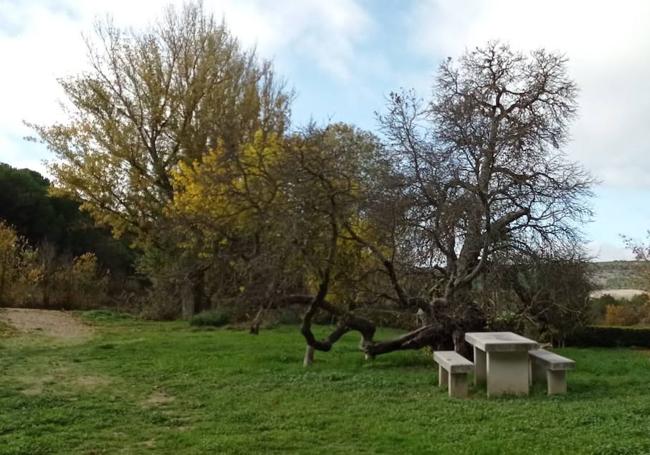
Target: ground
127, 386
53, 324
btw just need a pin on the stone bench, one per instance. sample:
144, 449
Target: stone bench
550, 367
452, 372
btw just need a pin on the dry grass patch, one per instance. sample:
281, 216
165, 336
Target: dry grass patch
158, 398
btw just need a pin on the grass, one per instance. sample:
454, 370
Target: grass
143, 387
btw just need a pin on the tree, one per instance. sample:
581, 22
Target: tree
14, 252
149, 100
475, 174
276, 219
28, 205
484, 169
547, 294
233, 205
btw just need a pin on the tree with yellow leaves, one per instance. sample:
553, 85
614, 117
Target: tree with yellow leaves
152, 99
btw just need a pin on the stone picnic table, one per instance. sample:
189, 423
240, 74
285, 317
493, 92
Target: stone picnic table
501, 360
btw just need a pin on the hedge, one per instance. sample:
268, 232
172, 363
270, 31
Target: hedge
610, 337
213, 318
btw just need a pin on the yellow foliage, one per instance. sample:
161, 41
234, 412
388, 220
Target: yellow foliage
623, 314
224, 190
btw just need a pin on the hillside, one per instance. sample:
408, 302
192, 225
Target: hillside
621, 274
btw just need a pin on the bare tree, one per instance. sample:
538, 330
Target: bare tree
485, 171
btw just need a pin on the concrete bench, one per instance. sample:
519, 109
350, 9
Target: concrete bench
550, 367
452, 372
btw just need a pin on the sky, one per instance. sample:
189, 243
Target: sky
343, 57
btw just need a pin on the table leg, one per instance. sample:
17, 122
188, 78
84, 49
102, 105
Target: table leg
480, 366
443, 377
507, 373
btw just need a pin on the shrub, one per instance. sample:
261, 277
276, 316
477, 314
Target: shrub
625, 314
599, 308
213, 318
106, 316
389, 317
609, 337
288, 316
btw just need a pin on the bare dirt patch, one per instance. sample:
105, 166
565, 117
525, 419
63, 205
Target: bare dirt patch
158, 398
51, 323
92, 382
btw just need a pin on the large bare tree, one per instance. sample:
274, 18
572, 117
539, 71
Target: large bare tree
484, 166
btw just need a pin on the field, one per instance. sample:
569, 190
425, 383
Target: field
128, 386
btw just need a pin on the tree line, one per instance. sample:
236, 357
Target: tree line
462, 207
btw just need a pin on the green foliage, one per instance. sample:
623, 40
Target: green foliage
26, 203
606, 336
599, 307
287, 316
163, 388
389, 317
213, 318
106, 316
609, 310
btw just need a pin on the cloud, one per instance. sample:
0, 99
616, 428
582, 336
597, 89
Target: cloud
607, 44
325, 33
606, 251
41, 40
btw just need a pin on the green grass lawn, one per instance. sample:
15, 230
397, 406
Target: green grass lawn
140, 387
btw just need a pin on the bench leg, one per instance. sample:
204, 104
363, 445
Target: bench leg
537, 373
442, 377
507, 373
458, 385
480, 366
556, 381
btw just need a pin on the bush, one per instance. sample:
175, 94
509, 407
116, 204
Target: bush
212, 318
622, 315
389, 317
610, 337
106, 316
625, 312
288, 316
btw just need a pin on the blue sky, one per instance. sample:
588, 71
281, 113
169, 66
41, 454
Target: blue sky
344, 56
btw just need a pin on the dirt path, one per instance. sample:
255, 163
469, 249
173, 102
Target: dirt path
57, 324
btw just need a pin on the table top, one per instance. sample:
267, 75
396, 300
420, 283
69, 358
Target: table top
500, 341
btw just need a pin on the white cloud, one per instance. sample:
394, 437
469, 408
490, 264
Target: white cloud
325, 33
606, 251
41, 40
607, 44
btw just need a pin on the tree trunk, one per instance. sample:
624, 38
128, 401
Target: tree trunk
192, 294
309, 356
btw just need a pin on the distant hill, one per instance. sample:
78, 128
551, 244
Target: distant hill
621, 274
